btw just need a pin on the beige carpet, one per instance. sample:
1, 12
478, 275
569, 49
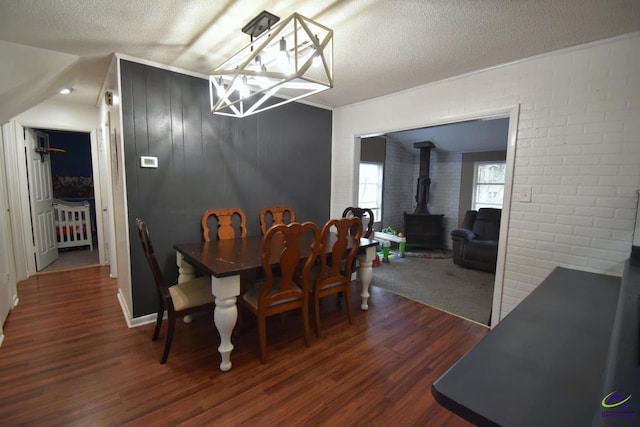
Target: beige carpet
440, 283
73, 258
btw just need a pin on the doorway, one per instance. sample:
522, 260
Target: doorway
72, 182
510, 114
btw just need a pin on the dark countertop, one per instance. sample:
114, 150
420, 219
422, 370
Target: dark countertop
622, 372
543, 365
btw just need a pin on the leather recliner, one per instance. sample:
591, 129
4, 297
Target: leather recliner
475, 244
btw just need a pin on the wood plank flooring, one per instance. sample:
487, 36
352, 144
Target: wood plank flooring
68, 359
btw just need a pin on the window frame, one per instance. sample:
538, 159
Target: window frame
476, 166
377, 210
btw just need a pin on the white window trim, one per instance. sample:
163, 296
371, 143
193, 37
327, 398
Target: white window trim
476, 166
377, 210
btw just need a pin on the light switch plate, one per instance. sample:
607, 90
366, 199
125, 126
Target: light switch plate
525, 195
148, 162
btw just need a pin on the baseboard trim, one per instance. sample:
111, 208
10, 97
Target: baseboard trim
123, 307
134, 322
144, 320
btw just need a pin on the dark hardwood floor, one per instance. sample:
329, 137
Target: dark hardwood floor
68, 359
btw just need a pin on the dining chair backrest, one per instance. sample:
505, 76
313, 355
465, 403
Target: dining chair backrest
285, 284
285, 287
272, 215
190, 296
339, 233
336, 263
147, 247
363, 214
225, 221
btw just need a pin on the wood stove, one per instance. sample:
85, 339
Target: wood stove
421, 228
424, 230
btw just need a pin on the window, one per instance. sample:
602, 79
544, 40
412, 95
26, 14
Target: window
488, 185
370, 191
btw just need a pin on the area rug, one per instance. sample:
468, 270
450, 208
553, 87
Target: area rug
439, 283
429, 253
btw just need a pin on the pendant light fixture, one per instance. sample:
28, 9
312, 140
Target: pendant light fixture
286, 60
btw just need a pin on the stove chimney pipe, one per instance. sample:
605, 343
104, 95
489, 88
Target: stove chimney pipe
422, 190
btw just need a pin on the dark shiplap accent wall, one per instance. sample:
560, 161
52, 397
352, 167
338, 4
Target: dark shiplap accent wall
281, 156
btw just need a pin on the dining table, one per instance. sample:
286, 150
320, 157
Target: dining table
227, 260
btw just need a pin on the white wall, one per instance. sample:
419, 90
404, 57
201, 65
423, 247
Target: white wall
60, 116
577, 147
120, 217
444, 192
8, 292
399, 185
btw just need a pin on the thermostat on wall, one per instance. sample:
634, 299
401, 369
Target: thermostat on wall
148, 162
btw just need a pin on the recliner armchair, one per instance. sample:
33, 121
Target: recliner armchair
475, 244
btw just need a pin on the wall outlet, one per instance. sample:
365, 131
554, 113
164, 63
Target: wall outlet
525, 195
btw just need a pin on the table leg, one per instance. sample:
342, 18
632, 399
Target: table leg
186, 272
225, 316
365, 273
403, 246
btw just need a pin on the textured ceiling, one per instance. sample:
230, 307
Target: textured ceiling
380, 46
462, 137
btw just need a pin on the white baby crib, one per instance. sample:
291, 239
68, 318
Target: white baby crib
73, 223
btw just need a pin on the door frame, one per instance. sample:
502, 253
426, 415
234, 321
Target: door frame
8, 290
512, 112
21, 222
18, 194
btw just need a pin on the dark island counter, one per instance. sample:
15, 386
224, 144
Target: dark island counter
564, 351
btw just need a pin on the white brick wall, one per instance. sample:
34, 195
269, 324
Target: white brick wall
577, 147
444, 197
399, 184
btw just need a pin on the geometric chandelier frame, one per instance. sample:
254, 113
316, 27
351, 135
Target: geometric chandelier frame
287, 61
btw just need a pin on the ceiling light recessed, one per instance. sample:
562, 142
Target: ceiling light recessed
66, 90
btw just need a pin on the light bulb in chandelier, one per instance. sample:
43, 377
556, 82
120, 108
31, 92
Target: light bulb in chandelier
317, 60
261, 80
257, 63
243, 88
284, 60
220, 88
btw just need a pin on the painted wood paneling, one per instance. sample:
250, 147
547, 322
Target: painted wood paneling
281, 156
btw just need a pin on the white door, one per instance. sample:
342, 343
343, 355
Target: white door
41, 199
5, 276
6, 291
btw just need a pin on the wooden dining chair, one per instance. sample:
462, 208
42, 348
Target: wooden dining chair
226, 230
336, 263
365, 215
179, 299
272, 215
289, 289
225, 219
367, 218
